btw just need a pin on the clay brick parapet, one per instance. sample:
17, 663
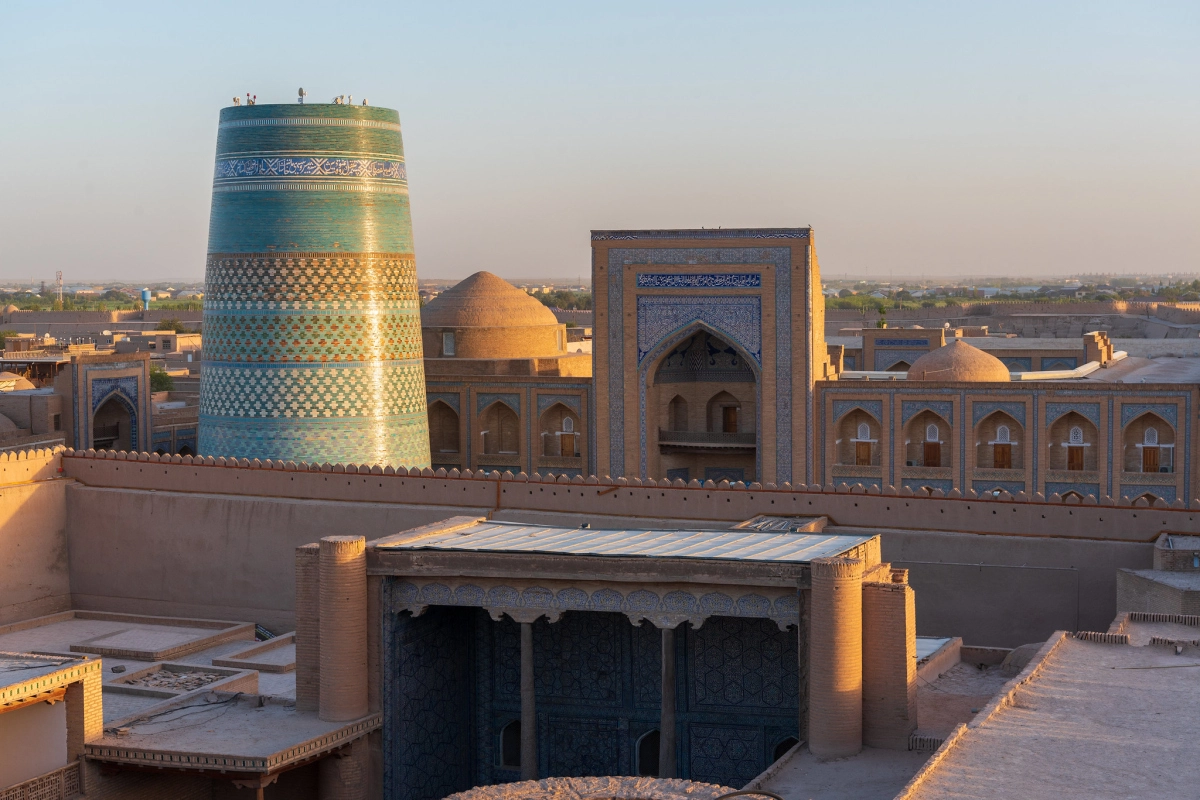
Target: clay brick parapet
1002, 700
1101, 638
308, 630
85, 709
835, 724
1022, 515
26, 466
889, 646
343, 628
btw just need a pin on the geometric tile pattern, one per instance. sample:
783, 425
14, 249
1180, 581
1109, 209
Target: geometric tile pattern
386, 389
843, 407
910, 408
363, 282
1090, 411
981, 410
658, 316
1169, 413
1017, 364
885, 359
315, 337
1133, 491
427, 730
571, 401
725, 754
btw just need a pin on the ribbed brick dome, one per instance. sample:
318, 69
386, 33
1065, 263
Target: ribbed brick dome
485, 300
958, 361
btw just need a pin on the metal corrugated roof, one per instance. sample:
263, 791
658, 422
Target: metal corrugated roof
728, 545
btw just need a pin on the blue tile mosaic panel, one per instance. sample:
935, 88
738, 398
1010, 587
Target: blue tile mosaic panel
1168, 412
1083, 489
886, 359
979, 411
1089, 411
843, 407
1017, 364
674, 280
1134, 491
735, 317
427, 704
1062, 362
910, 408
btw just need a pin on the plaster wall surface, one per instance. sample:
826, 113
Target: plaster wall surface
33, 565
33, 741
1005, 591
1047, 566
208, 556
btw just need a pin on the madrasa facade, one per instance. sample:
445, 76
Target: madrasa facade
710, 363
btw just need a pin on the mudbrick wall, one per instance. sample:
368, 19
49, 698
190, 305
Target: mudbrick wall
210, 538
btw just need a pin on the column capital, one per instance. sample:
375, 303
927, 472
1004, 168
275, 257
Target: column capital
524, 615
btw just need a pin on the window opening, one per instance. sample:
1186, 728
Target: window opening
510, 745
647, 754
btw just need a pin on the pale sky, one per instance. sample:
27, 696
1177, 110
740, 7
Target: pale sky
951, 140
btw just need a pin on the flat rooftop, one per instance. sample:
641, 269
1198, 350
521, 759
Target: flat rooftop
1135, 369
719, 545
1097, 720
230, 732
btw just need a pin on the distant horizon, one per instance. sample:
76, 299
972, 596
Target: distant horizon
586, 280
933, 139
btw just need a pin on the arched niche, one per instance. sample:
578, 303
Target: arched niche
1149, 444
500, 430
443, 428
701, 407
560, 432
927, 441
858, 439
999, 442
112, 424
1072, 441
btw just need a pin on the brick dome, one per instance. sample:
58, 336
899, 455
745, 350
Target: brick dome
485, 300
487, 317
958, 361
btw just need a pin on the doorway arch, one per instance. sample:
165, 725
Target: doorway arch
114, 424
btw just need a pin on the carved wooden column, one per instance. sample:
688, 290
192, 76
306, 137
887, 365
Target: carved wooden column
666, 726
529, 767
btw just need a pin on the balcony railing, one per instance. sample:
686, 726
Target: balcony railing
706, 438
61, 784
106, 431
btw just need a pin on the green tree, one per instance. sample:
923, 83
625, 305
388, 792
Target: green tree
160, 381
172, 324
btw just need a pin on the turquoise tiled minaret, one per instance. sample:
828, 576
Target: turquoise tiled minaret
312, 328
